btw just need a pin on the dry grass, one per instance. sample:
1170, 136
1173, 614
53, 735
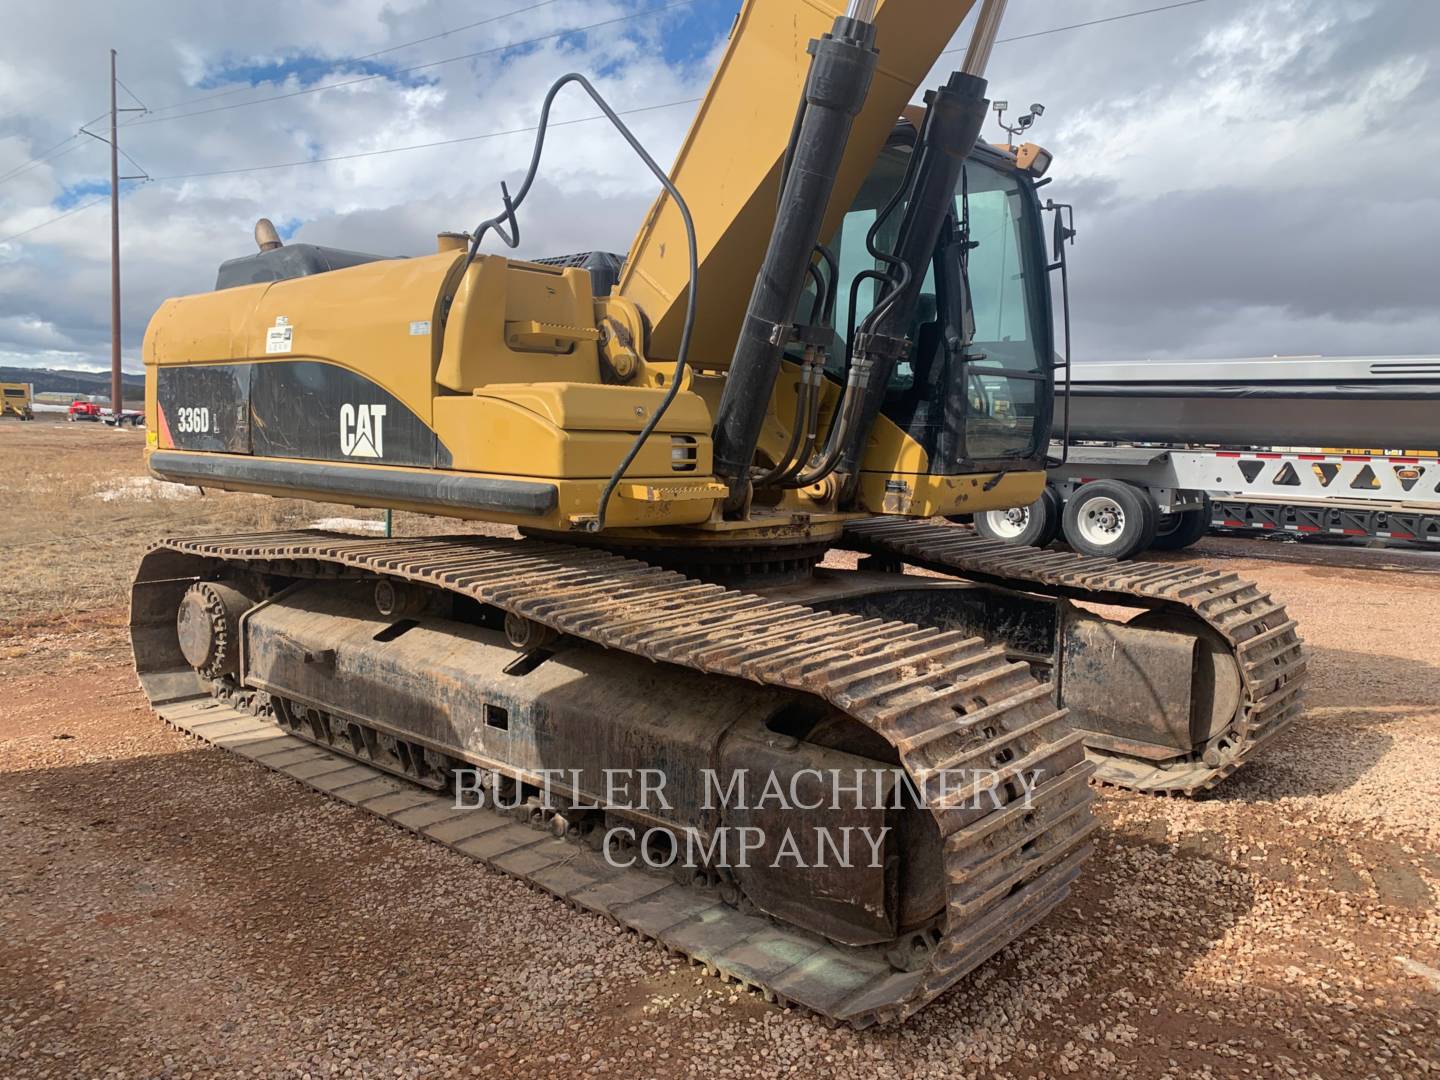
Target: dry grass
80, 511
172, 911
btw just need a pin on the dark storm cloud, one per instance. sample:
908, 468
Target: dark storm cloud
1249, 178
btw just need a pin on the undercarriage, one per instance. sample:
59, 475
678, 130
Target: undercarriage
489, 693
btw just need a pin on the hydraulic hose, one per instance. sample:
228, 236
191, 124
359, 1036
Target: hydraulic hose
512, 239
841, 69
953, 117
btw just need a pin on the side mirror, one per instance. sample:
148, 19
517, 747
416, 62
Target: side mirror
1064, 226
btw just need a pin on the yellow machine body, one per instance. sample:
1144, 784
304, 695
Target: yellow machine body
16, 400
506, 391
514, 388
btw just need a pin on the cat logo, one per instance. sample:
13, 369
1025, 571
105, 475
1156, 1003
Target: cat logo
362, 430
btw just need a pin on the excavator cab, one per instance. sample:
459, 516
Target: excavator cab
976, 408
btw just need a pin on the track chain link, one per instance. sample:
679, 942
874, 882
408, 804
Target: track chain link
944, 701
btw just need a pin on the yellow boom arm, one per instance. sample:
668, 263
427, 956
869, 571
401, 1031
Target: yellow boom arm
728, 168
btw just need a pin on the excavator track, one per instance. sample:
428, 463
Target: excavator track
1265, 644
940, 700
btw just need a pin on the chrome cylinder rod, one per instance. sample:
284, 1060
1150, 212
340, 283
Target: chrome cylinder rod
982, 41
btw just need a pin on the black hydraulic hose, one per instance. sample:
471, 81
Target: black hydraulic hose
807, 403
899, 274
842, 67
847, 409
812, 417
787, 462
857, 382
817, 308
513, 238
855, 283
802, 397
953, 117
827, 314
847, 413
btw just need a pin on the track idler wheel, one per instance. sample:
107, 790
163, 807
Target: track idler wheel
525, 634
207, 627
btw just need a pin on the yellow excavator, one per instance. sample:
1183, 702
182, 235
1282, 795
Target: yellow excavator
832, 331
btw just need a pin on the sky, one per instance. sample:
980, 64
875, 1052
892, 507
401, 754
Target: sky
1250, 177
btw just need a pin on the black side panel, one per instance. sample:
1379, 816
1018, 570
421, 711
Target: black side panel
369, 486
310, 409
206, 406
284, 263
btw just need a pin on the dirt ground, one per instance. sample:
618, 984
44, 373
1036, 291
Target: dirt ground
169, 910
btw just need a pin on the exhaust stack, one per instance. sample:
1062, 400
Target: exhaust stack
265, 235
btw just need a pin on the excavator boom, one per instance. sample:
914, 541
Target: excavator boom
728, 167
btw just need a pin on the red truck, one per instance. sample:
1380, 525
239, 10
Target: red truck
89, 410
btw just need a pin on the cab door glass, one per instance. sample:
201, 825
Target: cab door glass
994, 405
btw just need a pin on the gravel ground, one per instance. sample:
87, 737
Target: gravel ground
172, 911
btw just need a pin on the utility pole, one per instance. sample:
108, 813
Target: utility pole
117, 396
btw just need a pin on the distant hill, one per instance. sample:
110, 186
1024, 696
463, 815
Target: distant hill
51, 381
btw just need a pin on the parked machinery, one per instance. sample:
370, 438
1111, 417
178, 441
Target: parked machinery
830, 328
16, 400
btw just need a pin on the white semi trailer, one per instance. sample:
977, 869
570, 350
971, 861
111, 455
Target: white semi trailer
1158, 454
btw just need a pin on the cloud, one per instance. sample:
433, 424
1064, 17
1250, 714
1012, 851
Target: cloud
175, 233
1249, 177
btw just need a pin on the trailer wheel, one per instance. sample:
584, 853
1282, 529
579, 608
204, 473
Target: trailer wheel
1176, 531
1110, 518
1035, 525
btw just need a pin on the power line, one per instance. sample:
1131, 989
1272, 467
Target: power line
37, 159
486, 135
25, 167
1080, 25
419, 146
50, 154
417, 67
58, 217
350, 157
133, 95
581, 120
367, 56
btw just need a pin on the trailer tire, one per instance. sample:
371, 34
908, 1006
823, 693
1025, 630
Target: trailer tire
1174, 532
1036, 525
1110, 518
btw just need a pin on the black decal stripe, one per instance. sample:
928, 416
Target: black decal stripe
296, 406
288, 409
206, 406
382, 483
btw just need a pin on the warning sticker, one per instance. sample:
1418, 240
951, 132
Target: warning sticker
420, 329
279, 337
